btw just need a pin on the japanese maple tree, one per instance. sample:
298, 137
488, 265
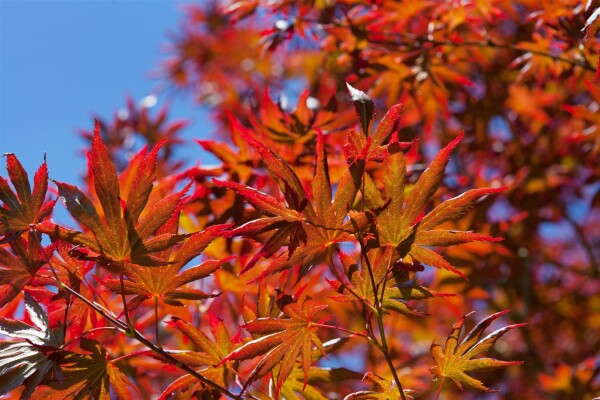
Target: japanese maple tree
429, 168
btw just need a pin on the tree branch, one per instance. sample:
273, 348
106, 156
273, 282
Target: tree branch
414, 42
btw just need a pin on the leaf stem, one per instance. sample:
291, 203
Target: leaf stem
346, 286
156, 321
339, 328
130, 327
439, 391
101, 328
95, 292
140, 338
99, 309
383, 347
132, 354
385, 279
66, 316
386, 354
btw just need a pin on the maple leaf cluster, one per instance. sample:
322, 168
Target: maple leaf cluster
520, 78
440, 151
133, 249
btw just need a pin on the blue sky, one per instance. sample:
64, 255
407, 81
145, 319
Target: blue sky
61, 62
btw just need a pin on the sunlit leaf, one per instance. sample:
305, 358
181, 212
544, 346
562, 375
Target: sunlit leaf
387, 390
282, 341
456, 359
28, 360
208, 357
118, 236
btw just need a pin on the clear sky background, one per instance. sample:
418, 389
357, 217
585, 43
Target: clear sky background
61, 62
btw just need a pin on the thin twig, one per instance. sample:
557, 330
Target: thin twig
67, 306
379, 317
101, 328
587, 246
99, 309
130, 326
346, 286
339, 328
439, 391
417, 41
156, 321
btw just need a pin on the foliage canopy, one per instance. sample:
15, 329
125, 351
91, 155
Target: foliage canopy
440, 151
